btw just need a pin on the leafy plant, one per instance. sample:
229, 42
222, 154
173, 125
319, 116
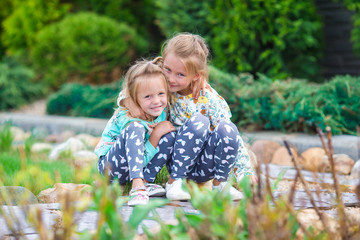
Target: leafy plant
354, 7
17, 86
6, 137
27, 18
138, 14
290, 105
276, 38
84, 100
182, 16
85, 47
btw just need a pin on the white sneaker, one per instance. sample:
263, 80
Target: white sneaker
175, 191
154, 190
227, 188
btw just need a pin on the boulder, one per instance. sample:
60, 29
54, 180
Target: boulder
70, 146
264, 150
343, 163
59, 138
14, 195
309, 218
314, 159
18, 134
41, 147
75, 191
253, 159
88, 139
355, 171
84, 158
282, 157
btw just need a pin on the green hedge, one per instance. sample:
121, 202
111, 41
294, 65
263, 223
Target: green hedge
288, 105
291, 105
278, 38
75, 99
85, 47
27, 17
17, 86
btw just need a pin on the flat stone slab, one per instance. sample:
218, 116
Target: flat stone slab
85, 220
290, 172
323, 199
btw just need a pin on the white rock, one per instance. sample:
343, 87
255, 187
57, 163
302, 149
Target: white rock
88, 139
18, 134
84, 157
355, 171
41, 147
71, 146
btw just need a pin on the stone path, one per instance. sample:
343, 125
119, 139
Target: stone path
87, 220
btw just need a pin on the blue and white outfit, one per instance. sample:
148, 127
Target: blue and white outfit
207, 145
125, 151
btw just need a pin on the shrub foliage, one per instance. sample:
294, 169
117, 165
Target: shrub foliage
84, 100
26, 19
85, 46
291, 105
276, 38
17, 86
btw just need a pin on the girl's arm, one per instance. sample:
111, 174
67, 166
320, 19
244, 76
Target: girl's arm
160, 130
134, 110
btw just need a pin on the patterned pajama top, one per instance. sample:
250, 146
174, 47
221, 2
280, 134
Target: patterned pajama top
213, 106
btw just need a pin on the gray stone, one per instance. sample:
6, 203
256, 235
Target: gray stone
14, 195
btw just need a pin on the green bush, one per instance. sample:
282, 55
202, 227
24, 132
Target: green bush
182, 16
276, 38
354, 7
84, 100
17, 86
291, 105
5, 10
138, 14
85, 47
27, 18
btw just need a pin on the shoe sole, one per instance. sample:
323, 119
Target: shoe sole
176, 198
157, 193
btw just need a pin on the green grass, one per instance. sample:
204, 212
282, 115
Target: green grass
38, 173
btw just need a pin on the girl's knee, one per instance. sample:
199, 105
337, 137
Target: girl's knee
198, 123
226, 128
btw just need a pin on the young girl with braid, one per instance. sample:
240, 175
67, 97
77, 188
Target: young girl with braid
129, 149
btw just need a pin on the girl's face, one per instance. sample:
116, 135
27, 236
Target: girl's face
151, 95
179, 80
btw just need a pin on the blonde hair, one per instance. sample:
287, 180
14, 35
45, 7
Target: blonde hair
137, 73
193, 53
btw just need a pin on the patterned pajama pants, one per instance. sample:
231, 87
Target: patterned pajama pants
202, 155
124, 160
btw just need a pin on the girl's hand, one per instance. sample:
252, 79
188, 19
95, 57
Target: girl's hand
134, 110
197, 90
253, 179
163, 128
160, 130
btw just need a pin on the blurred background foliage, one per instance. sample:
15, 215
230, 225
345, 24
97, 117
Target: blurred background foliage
265, 56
